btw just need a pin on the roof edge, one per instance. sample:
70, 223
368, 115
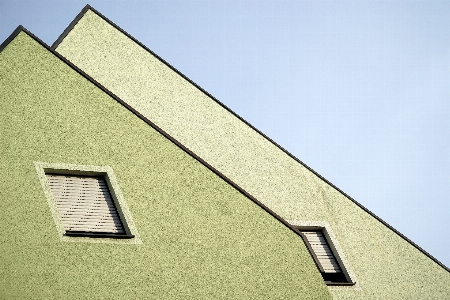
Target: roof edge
11, 37
71, 26
88, 7
154, 126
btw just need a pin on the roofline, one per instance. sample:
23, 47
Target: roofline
88, 7
72, 25
153, 125
11, 37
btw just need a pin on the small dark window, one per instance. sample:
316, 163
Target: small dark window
86, 207
325, 259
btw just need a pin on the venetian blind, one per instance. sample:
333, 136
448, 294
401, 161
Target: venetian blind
85, 204
322, 251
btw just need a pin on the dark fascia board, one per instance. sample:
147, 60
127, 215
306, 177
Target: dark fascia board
154, 126
88, 7
11, 37
72, 25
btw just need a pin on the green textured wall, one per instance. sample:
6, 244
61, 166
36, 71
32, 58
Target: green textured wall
384, 265
201, 238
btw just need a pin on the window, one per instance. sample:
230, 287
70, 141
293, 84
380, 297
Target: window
85, 206
325, 258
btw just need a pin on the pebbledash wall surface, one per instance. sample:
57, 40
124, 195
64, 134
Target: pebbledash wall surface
197, 236
383, 263
211, 198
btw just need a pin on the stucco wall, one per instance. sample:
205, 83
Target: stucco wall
385, 265
201, 238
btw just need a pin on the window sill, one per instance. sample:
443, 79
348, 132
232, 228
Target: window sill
98, 235
330, 283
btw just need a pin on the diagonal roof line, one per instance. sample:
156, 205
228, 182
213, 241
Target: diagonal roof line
154, 126
72, 25
11, 37
88, 7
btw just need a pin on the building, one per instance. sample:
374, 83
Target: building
200, 203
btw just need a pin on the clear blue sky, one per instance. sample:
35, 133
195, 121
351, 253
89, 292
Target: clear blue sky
358, 90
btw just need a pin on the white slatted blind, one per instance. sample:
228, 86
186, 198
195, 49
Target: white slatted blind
323, 252
85, 204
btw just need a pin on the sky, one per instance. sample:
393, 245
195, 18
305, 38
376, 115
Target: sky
357, 90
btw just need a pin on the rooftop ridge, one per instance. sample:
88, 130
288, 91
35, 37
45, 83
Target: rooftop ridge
88, 7
154, 126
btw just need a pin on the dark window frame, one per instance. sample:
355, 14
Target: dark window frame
91, 234
331, 279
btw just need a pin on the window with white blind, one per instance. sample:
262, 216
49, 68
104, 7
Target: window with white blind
86, 207
325, 258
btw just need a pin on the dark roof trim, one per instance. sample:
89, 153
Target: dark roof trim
11, 37
154, 126
71, 25
88, 7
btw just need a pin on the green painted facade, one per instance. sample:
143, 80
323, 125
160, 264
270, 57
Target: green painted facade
200, 238
383, 264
